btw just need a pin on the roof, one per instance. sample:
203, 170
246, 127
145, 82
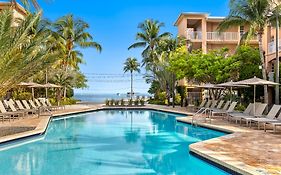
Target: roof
198, 14
17, 7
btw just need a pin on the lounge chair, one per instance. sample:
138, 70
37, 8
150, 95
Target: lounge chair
219, 106
8, 115
48, 105
225, 109
26, 105
249, 113
13, 108
58, 106
270, 117
21, 107
200, 106
214, 104
273, 123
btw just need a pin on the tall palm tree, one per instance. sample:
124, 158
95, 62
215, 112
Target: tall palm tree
72, 33
252, 13
149, 38
131, 65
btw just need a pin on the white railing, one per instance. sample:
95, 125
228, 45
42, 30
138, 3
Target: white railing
194, 35
272, 47
223, 36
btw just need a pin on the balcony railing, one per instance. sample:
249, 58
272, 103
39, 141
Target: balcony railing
223, 36
194, 35
272, 47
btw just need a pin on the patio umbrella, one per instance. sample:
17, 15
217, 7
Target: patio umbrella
50, 85
232, 84
210, 86
35, 85
255, 81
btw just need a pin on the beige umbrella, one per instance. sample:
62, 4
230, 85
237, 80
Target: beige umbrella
35, 85
232, 84
50, 85
210, 86
255, 81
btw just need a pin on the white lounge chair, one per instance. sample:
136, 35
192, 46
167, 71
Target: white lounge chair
8, 115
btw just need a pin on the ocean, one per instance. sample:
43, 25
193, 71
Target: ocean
100, 98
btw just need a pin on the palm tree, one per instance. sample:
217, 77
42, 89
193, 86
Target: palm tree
27, 3
149, 38
72, 33
131, 65
23, 51
252, 13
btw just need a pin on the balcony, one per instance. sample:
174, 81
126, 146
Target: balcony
223, 36
194, 35
272, 47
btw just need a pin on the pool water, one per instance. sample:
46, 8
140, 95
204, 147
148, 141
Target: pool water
112, 142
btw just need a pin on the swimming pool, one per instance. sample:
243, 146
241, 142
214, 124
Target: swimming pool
112, 142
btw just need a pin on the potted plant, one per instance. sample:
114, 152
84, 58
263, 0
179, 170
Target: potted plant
142, 101
111, 102
116, 102
122, 102
130, 102
136, 102
107, 102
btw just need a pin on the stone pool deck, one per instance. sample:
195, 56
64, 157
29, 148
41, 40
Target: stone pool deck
247, 151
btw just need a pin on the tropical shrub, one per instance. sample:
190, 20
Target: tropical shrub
68, 101
122, 102
112, 102
142, 101
130, 103
116, 102
22, 95
107, 102
136, 102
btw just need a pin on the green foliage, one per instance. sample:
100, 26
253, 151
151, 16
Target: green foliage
116, 102
107, 102
240, 107
212, 67
24, 49
68, 101
247, 62
130, 103
112, 101
177, 99
122, 102
136, 102
18, 95
142, 101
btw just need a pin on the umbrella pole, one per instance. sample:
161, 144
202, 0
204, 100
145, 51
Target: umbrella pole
231, 99
32, 89
254, 100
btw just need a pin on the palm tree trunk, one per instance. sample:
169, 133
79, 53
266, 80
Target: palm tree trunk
263, 67
131, 85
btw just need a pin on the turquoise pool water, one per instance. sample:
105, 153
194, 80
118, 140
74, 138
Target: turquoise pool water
112, 143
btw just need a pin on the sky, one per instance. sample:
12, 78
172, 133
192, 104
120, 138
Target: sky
113, 24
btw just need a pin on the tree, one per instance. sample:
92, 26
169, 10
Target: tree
149, 38
72, 34
131, 65
253, 13
23, 49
